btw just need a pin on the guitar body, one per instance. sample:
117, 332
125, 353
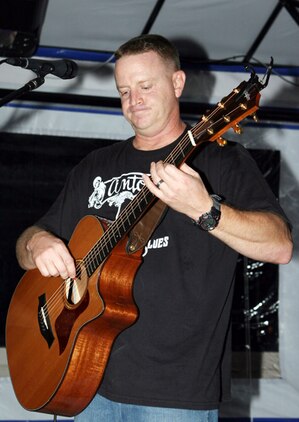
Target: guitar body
58, 345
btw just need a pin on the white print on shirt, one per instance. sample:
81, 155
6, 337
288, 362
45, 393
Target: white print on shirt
161, 242
115, 191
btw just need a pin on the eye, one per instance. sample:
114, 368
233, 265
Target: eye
146, 87
124, 93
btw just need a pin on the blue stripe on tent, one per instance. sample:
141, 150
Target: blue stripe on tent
64, 53
119, 113
104, 57
65, 108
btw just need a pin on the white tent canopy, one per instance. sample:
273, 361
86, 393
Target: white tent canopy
204, 30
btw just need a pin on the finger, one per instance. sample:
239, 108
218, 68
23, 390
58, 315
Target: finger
47, 268
70, 266
43, 268
188, 170
151, 185
63, 261
59, 265
154, 173
159, 183
154, 180
65, 267
159, 173
170, 171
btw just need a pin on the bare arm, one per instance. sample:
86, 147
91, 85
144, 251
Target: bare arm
258, 235
37, 248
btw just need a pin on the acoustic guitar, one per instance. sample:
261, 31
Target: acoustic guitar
59, 333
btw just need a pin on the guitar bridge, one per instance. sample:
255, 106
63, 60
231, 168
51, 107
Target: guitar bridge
44, 320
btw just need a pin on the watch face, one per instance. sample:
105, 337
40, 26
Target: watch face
210, 219
208, 222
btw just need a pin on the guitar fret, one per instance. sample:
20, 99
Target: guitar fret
90, 268
171, 158
140, 202
95, 263
102, 257
116, 236
111, 243
134, 215
182, 150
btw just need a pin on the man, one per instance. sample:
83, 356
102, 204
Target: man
173, 363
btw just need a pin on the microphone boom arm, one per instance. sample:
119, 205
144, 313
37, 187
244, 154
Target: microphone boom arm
29, 86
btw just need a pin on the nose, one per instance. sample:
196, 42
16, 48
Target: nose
135, 97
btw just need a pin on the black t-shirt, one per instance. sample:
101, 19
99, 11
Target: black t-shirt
177, 354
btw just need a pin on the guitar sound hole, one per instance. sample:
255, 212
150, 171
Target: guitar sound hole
75, 288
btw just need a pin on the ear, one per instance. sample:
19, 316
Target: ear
178, 80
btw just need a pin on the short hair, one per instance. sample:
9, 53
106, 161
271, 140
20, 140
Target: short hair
150, 42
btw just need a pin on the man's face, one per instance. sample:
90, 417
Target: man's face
149, 89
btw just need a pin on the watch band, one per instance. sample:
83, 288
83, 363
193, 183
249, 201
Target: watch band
209, 220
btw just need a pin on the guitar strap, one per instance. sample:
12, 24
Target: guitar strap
142, 231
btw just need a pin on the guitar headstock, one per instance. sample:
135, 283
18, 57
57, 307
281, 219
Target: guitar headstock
243, 101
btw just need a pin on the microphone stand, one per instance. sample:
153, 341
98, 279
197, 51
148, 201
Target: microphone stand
29, 86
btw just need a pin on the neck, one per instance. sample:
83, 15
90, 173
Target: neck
159, 140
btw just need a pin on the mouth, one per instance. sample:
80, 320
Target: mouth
138, 115
138, 109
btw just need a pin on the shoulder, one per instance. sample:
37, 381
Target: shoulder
230, 149
102, 155
226, 158
113, 148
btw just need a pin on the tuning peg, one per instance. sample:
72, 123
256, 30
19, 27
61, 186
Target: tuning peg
221, 141
255, 118
237, 129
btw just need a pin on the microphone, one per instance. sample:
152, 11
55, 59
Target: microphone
64, 69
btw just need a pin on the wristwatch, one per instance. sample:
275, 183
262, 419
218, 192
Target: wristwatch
209, 220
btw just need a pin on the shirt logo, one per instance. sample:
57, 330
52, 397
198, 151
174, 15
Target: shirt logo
161, 242
115, 191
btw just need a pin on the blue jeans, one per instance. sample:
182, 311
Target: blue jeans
103, 410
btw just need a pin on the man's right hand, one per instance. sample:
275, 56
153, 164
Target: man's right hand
37, 248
